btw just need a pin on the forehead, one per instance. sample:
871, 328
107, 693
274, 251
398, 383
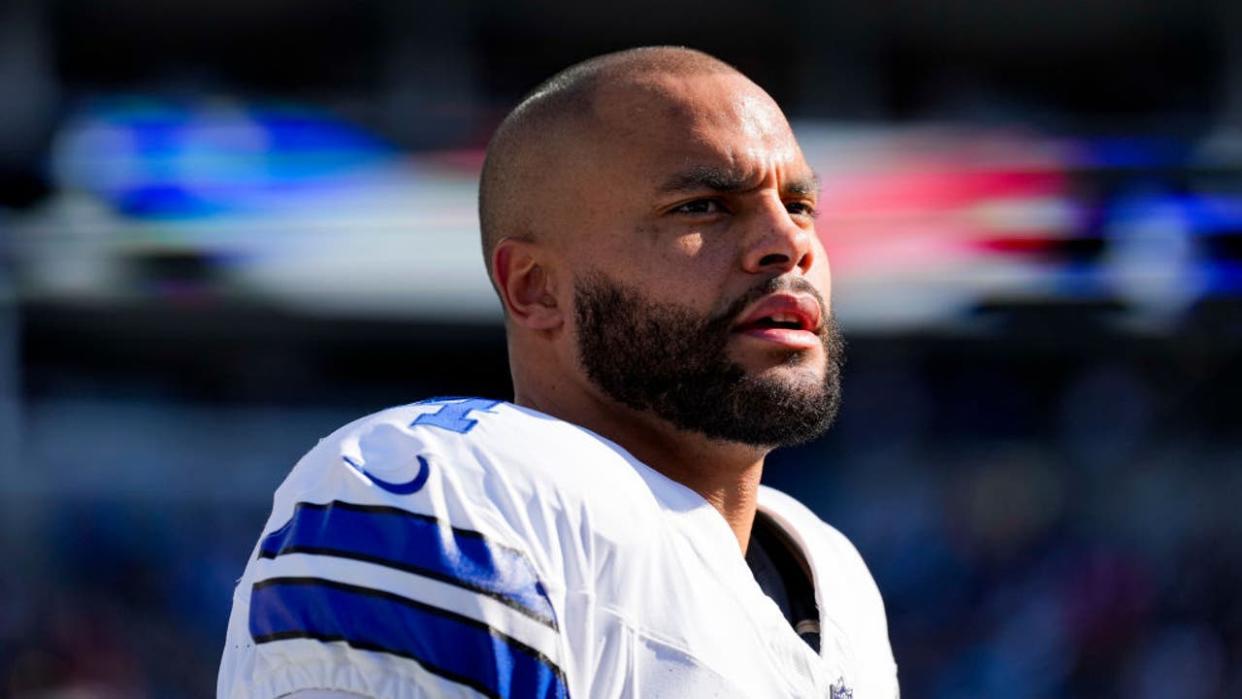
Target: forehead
666, 122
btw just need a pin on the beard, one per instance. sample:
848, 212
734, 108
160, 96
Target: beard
668, 360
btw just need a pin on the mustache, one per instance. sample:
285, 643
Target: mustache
772, 285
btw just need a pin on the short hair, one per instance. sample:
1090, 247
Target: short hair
554, 110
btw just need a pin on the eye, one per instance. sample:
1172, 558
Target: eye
801, 208
700, 207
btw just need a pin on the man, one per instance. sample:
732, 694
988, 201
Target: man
648, 219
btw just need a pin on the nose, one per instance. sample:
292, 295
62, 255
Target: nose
778, 243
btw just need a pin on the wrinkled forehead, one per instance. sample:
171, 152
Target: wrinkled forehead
666, 121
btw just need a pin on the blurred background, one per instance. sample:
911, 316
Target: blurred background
228, 228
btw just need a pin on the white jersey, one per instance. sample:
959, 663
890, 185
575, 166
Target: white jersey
467, 547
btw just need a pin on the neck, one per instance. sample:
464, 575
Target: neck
726, 474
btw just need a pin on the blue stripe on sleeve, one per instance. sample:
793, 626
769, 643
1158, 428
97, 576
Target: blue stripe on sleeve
414, 543
457, 648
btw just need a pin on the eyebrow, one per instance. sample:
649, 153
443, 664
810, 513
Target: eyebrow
725, 180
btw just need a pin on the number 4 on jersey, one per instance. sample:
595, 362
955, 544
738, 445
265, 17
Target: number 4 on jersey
454, 416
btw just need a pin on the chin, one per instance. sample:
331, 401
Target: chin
808, 363
799, 379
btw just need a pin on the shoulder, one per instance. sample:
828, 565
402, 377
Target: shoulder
459, 454
469, 436
458, 520
520, 477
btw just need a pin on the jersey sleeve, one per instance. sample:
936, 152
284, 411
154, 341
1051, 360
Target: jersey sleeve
389, 569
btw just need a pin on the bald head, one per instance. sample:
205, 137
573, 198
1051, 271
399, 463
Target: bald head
556, 123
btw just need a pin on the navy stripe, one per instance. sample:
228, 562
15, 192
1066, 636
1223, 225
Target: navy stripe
414, 543
455, 647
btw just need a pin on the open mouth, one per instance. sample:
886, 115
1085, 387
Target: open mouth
787, 320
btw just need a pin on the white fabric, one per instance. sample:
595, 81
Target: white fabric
651, 595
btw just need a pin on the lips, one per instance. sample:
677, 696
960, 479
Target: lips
792, 320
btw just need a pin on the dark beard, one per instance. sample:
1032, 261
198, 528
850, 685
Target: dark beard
668, 360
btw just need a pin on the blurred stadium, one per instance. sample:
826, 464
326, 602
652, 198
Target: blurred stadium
228, 228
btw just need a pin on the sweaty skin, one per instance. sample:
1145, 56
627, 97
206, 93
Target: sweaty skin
689, 186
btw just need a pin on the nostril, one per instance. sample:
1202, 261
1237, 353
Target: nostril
773, 259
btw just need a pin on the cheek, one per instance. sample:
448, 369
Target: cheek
709, 254
688, 268
676, 257
823, 282
699, 271
820, 273
689, 245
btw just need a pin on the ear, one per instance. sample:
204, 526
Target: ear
527, 284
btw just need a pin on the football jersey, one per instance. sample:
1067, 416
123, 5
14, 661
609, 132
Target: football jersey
470, 547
